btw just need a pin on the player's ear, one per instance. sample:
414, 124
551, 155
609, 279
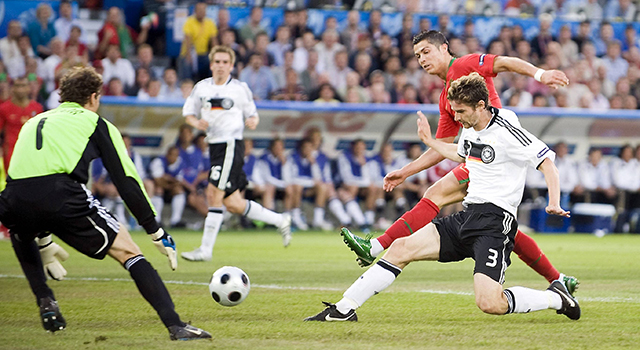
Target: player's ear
480, 105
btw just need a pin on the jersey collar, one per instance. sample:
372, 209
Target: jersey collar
70, 105
494, 111
213, 82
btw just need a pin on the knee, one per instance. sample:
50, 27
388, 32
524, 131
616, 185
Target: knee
399, 253
491, 304
434, 193
236, 207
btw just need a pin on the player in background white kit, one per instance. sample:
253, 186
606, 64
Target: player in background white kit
223, 106
497, 152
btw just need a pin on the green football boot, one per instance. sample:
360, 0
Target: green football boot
571, 283
360, 246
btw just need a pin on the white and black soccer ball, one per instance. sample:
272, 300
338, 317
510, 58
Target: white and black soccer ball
229, 286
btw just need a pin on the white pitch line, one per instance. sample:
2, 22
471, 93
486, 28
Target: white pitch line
328, 289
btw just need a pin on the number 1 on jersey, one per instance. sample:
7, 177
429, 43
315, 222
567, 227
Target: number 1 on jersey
39, 133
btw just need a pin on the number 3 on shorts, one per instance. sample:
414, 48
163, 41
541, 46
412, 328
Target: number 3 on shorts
215, 172
493, 258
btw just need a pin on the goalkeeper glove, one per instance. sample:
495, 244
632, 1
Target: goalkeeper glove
167, 246
51, 255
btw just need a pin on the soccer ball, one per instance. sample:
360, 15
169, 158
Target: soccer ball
229, 286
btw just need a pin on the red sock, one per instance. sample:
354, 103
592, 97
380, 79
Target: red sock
529, 252
411, 221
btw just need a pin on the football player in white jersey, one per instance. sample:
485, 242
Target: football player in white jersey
222, 106
497, 152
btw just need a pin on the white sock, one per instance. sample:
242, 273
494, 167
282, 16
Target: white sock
376, 247
318, 216
211, 228
373, 281
158, 203
353, 208
120, 212
369, 217
296, 214
401, 202
523, 300
255, 211
177, 207
108, 204
337, 209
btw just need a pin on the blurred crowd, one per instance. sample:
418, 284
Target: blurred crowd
358, 64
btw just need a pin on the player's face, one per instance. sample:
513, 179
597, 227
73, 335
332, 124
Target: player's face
430, 57
465, 114
221, 65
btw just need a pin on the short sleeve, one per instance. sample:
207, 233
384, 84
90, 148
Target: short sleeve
481, 63
249, 109
192, 104
461, 151
528, 148
156, 168
447, 126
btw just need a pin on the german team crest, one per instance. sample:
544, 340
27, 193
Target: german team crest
488, 154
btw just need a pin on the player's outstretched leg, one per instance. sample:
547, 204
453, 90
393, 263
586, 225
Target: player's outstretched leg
52, 319
331, 314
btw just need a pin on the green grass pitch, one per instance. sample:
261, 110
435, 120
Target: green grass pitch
430, 306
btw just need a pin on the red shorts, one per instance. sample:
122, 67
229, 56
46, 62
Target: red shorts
461, 173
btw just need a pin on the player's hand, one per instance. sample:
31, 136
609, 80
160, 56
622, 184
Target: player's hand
252, 122
52, 254
554, 79
424, 130
557, 210
202, 124
393, 180
167, 246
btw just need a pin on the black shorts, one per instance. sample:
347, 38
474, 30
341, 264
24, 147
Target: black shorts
484, 232
62, 206
227, 160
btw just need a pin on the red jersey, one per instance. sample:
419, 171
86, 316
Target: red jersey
459, 67
12, 118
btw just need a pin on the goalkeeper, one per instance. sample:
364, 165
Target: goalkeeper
46, 192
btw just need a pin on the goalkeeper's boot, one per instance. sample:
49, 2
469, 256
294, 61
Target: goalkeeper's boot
187, 332
570, 306
331, 314
196, 255
360, 246
570, 282
52, 319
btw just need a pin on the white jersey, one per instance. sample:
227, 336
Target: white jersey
497, 158
225, 107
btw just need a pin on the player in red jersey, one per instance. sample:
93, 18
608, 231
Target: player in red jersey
432, 51
14, 113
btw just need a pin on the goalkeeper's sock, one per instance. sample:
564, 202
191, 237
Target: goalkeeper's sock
29, 256
153, 290
373, 281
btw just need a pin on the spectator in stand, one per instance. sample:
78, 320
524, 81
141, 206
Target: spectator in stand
280, 45
170, 89
385, 50
379, 94
349, 35
65, 22
5, 90
352, 86
456, 46
616, 65
525, 99
523, 50
595, 177
269, 167
142, 80
292, 91
375, 27
588, 54
621, 10
540, 100
167, 173
16, 66
630, 39
598, 101
515, 8
355, 179
327, 94
629, 102
309, 77
363, 68
223, 26
327, 49
397, 88
406, 33
575, 90
200, 33
608, 87
569, 47
145, 58
35, 81
260, 48
606, 36
71, 59
616, 102
74, 40
115, 88
409, 95
258, 78
584, 34
280, 72
9, 45
50, 63
194, 171
303, 178
363, 46
301, 53
151, 91
116, 66
593, 11
228, 38
14, 113
116, 32
624, 175
301, 27
424, 25
186, 85
339, 70
414, 72
249, 31
539, 42
41, 31
567, 171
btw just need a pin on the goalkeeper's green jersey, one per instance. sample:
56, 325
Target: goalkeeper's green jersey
65, 140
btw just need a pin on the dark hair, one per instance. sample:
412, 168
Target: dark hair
78, 84
625, 146
469, 90
433, 37
303, 141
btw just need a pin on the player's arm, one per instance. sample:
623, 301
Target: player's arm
191, 111
250, 111
552, 78
553, 184
447, 150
